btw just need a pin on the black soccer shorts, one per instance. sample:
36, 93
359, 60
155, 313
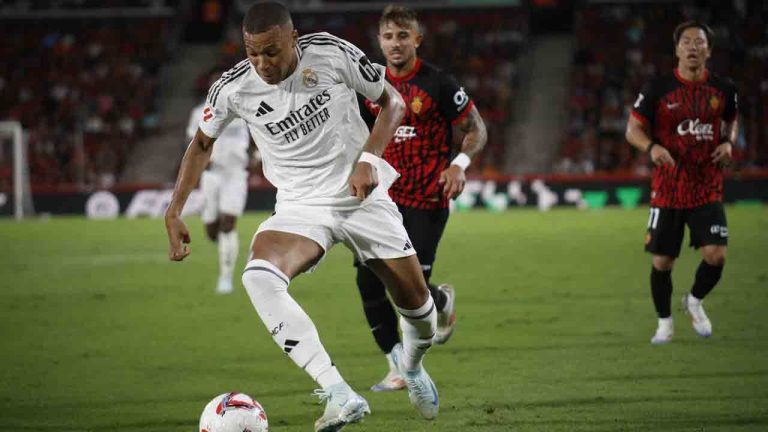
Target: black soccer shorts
666, 226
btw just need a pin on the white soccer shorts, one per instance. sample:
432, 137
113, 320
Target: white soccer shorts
372, 230
224, 192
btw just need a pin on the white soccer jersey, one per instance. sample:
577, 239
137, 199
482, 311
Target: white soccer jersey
231, 149
308, 127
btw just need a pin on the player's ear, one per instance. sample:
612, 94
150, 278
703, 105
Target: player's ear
419, 39
294, 38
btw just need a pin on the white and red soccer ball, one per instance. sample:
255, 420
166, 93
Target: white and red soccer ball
233, 412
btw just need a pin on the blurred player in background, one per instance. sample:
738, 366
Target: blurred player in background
687, 122
431, 168
298, 97
225, 187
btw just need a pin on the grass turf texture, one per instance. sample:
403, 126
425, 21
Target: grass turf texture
101, 333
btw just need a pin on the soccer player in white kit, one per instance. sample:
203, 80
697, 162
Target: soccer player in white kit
224, 185
297, 96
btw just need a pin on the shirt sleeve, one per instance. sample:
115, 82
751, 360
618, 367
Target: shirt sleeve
644, 108
454, 103
217, 111
357, 71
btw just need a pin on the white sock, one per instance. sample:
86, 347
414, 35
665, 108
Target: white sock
291, 328
665, 322
418, 326
692, 300
229, 244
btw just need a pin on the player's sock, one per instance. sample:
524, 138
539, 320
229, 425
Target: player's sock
229, 244
418, 326
439, 297
707, 277
291, 328
378, 309
661, 290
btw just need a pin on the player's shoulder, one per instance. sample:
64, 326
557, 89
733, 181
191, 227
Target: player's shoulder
229, 82
660, 84
325, 44
431, 70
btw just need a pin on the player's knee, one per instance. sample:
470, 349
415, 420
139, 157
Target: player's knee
261, 278
663, 262
227, 223
715, 257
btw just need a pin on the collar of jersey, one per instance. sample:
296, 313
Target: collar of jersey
689, 82
407, 77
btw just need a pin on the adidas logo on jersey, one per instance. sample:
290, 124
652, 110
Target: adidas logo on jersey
263, 109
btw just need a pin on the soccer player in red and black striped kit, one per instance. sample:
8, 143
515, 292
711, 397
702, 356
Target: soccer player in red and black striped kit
431, 170
677, 120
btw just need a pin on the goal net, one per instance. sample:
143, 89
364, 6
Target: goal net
15, 195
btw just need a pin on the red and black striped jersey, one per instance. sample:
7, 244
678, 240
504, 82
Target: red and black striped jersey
422, 147
685, 118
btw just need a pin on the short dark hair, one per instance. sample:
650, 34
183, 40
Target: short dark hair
400, 15
693, 24
264, 15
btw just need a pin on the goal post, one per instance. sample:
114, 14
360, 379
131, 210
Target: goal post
22, 198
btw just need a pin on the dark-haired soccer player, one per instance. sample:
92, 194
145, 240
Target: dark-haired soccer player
431, 168
298, 97
687, 122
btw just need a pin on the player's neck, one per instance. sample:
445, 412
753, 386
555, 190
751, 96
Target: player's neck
403, 70
693, 74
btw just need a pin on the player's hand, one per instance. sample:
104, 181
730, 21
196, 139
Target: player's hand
178, 237
723, 154
660, 156
452, 180
363, 180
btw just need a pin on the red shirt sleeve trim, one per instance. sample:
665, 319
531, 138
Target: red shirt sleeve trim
464, 113
639, 117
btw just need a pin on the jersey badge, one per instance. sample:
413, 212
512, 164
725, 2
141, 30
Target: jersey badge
309, 78
207, 114
416, 105
714, 102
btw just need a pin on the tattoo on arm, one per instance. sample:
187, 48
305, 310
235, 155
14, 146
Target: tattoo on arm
475, 135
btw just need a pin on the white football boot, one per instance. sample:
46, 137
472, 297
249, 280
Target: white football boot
664, 332
701, 323
421, 389
343, 406
446, 319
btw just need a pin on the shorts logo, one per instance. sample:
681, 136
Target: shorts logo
719, 229
700, 131
407, 246
309, 78
207, 114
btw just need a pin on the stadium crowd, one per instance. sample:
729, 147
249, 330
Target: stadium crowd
622, 46
84, 91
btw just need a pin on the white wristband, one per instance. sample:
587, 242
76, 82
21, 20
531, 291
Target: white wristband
462, 161
368, 157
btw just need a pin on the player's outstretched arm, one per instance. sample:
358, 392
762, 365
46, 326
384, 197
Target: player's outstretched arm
192, 165
363, 179
637, 135
475, 137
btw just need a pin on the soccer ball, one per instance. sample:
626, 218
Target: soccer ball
233, 412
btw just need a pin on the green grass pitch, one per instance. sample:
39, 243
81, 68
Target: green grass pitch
99, 332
